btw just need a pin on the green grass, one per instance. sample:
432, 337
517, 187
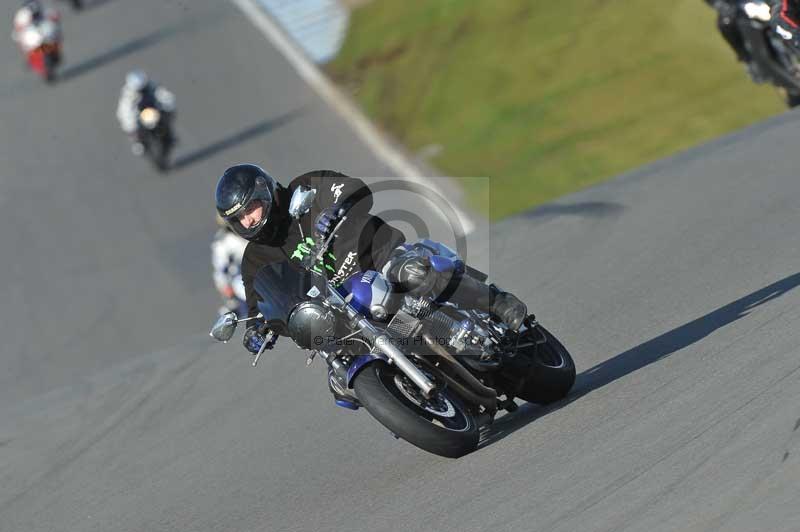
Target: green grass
546, 97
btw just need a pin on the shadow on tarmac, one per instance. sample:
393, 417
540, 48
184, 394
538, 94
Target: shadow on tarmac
642, 355
72, 71
234, 139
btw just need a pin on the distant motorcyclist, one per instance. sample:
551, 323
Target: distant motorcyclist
726, 23
785, 22
34, 23
138, 93
227, 250
256, 207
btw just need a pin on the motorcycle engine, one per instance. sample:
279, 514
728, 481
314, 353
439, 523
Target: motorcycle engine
464, 336
312, 326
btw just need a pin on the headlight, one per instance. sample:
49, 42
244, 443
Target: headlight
312, 326
758, 11
149, 117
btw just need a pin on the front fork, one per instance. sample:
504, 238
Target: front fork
382, 345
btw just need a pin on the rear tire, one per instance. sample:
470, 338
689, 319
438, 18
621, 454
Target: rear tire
552, 371
378, 387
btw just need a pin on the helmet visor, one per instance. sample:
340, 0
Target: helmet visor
249, 219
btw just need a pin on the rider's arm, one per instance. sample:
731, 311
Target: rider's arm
790, 12
250, 265
165, 99
256, 256
335, 188
126, 112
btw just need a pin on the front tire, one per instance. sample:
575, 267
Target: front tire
441, 425
49, 69
552, 371
792, 99
160, 154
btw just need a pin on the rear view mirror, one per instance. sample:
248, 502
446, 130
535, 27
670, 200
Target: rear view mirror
224, 327
302, 199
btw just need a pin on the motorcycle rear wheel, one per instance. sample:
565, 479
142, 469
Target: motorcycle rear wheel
441, 425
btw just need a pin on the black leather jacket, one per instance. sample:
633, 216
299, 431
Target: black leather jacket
364, 242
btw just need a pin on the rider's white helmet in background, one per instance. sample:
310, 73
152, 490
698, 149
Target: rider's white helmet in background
23, 18
136, 80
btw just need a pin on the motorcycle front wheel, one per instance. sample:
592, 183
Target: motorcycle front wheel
440, 425
49, 65
159, 153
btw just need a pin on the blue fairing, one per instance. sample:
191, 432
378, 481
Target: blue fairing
437, 248
362, 292
443, 264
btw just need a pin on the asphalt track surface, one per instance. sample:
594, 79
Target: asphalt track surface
675, 288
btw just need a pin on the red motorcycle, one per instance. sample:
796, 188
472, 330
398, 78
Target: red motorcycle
42, 46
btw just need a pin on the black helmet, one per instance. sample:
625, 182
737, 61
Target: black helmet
241, 191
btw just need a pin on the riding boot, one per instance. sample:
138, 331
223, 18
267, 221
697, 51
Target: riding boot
413, 274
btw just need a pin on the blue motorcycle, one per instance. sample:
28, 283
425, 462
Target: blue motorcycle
432, 373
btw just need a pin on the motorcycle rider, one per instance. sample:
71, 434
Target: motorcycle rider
785, 22
726, 23
138, 93
227, 250
29, 19
256, 207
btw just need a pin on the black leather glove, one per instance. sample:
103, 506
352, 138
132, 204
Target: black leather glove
256, 335
327, 220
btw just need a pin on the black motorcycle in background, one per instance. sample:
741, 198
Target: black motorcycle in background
778, 63
155, 134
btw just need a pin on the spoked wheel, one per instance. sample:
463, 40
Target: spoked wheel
440, 424
552, 372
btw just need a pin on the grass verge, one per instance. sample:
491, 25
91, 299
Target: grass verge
545, 97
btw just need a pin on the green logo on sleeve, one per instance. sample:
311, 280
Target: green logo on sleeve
305, 247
